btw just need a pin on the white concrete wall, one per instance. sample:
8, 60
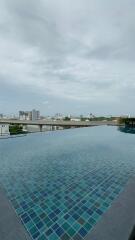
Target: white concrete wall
4, 129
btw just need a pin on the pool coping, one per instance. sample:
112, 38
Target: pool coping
11, 227
118, 222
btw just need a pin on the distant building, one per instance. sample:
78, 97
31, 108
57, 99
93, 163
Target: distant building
58, 116
25, 115
91, 115
4, 130
29, 115
75, 119
35, 115
1, 115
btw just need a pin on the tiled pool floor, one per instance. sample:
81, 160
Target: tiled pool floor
61, 183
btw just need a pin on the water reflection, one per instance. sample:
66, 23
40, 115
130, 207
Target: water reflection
126, 129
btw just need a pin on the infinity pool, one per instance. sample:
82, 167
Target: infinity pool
61, 183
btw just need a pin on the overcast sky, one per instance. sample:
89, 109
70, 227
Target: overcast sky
67, 56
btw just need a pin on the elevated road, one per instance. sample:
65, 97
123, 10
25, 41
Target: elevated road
60, 123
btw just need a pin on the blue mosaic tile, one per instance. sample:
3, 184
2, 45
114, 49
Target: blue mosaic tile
61, 183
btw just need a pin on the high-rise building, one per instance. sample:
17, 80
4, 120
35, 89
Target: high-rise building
25, 115
1, 115
29, 115
35, 115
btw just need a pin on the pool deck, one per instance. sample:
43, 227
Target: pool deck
11, 227
118, 222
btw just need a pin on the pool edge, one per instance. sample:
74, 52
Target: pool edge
11, 227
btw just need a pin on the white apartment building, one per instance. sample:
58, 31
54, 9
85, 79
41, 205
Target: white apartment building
4, 130
29, 115
25, 115
35, 115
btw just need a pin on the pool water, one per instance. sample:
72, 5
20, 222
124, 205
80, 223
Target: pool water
61, 183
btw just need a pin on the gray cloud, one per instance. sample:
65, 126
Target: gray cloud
80, 52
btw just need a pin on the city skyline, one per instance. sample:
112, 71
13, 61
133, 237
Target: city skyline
72, 57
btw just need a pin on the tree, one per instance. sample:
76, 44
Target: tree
66, 119
15, 129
